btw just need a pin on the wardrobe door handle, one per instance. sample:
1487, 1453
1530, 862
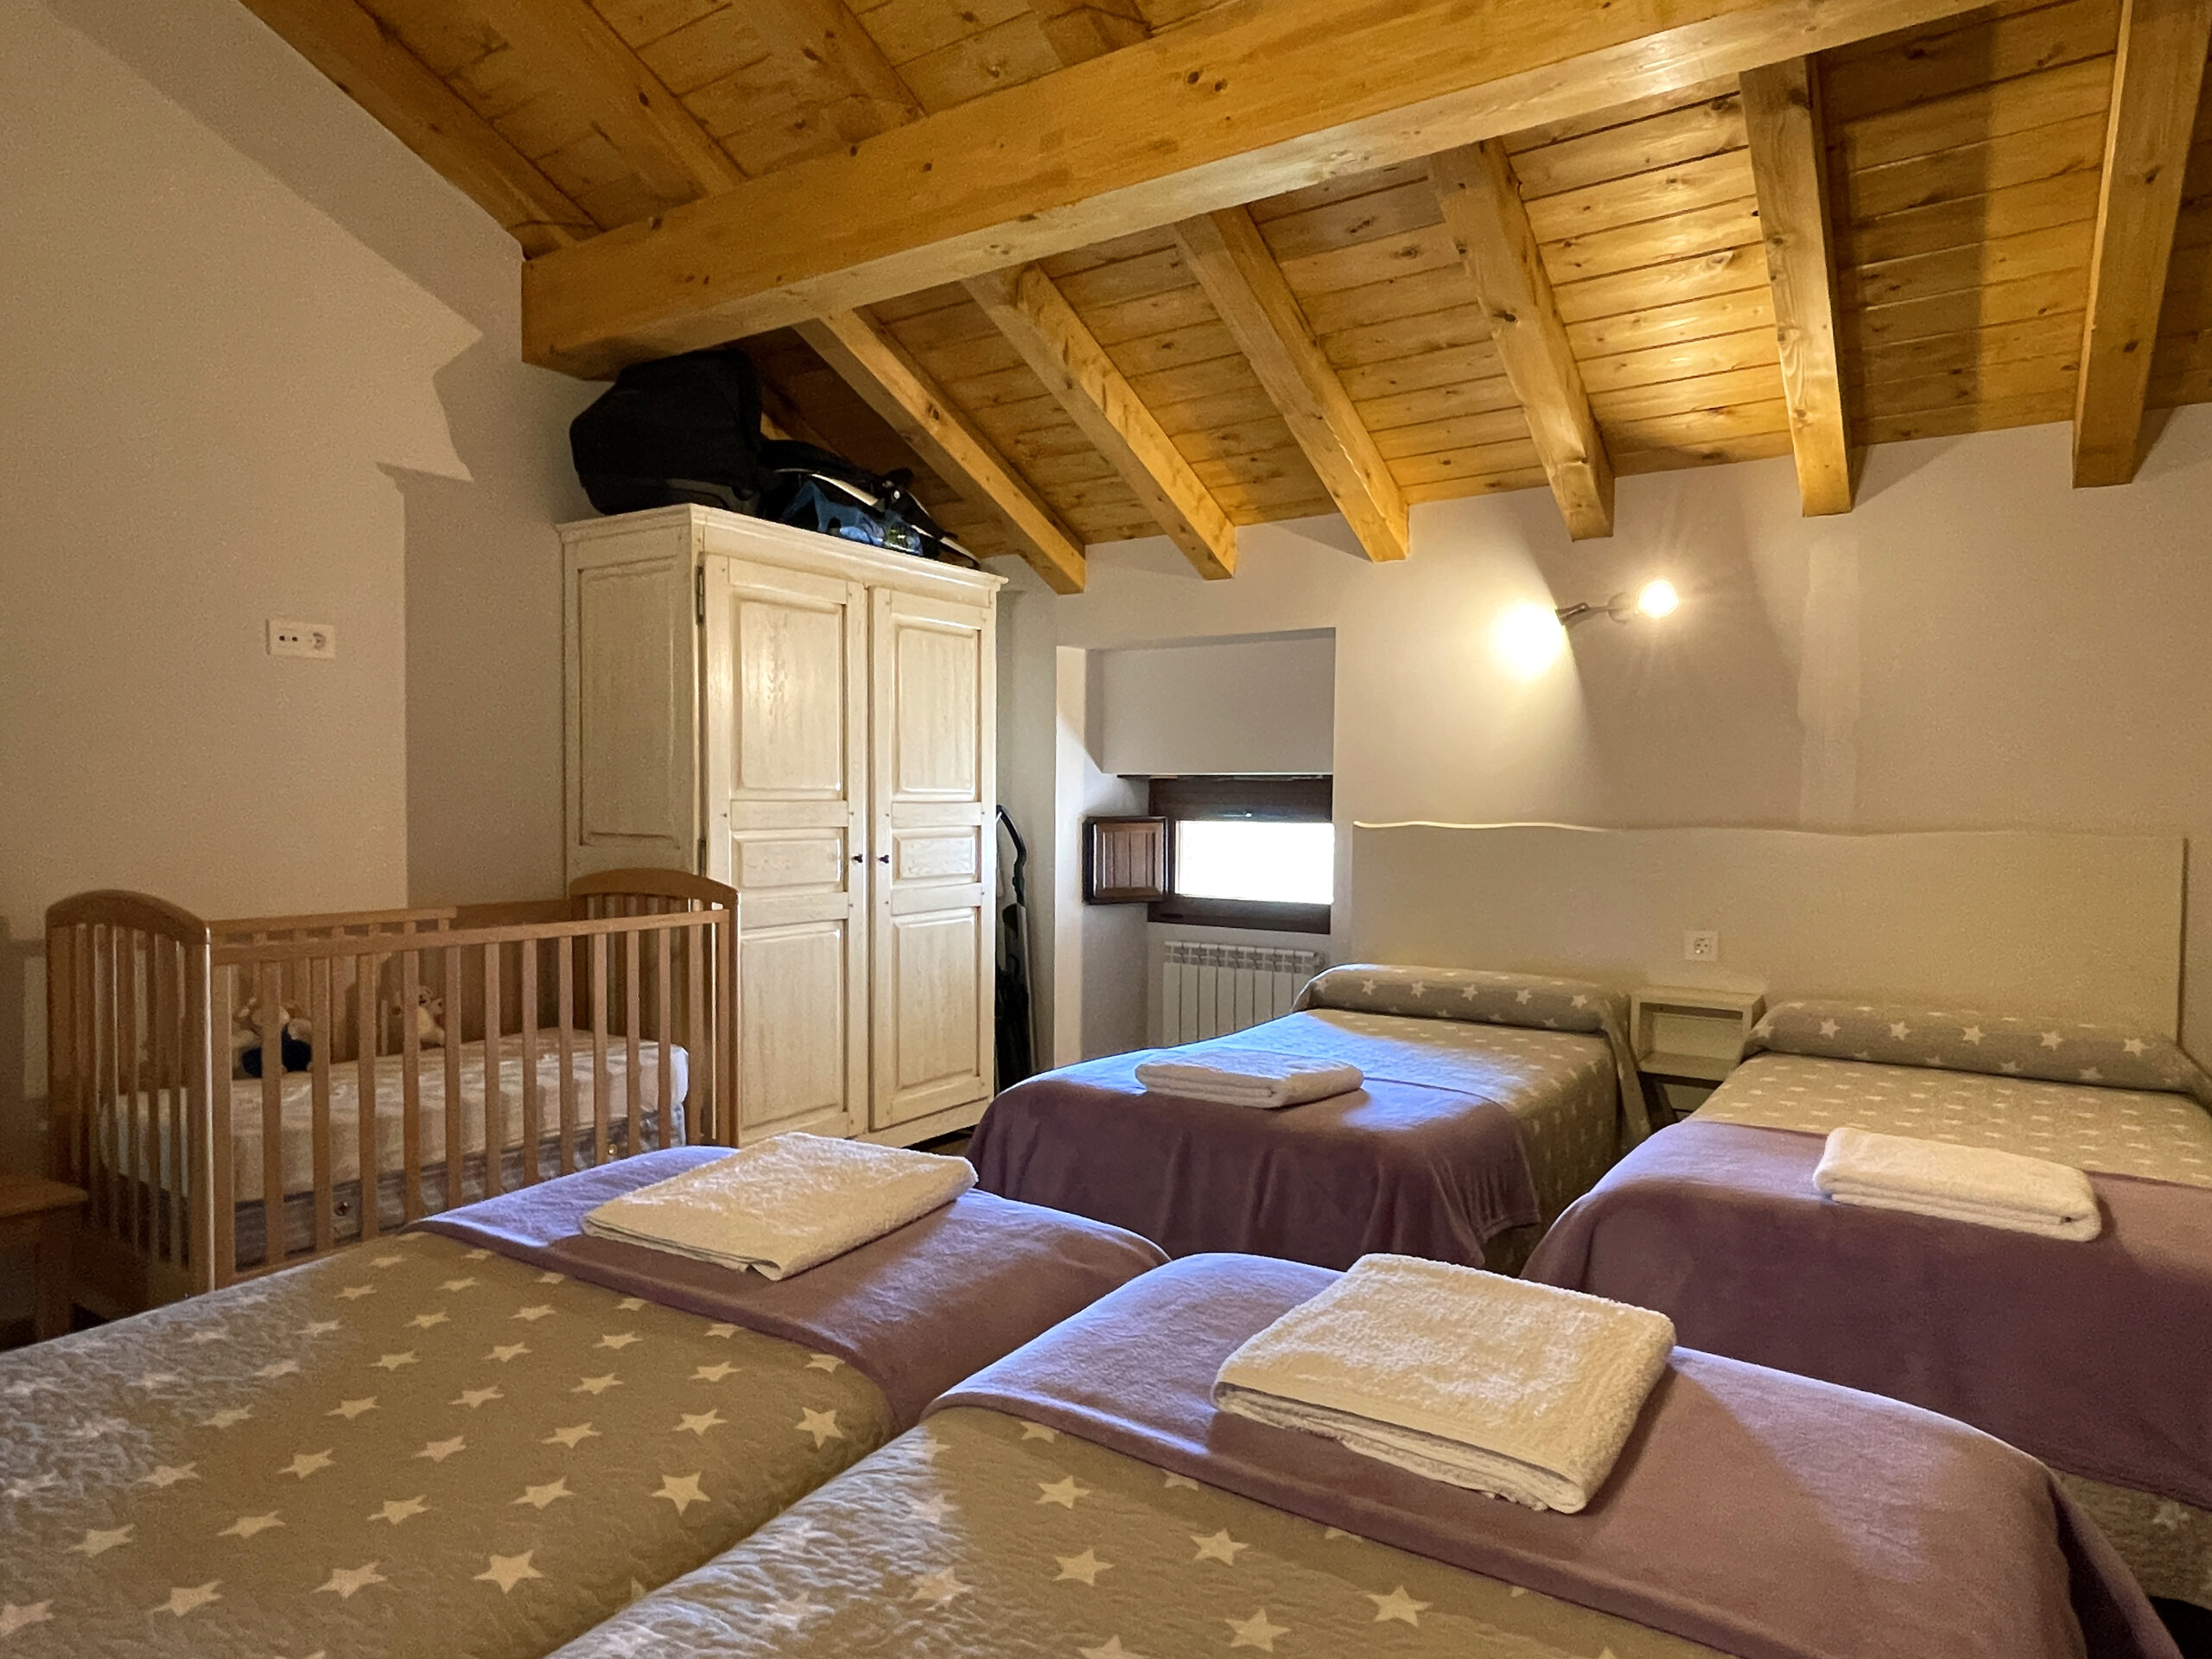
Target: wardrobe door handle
859, 858
883, 858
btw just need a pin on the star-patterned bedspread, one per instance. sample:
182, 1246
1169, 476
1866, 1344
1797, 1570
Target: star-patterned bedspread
413, 1448
1462, 1131
980, 1536
2154, 1135
1084, 1498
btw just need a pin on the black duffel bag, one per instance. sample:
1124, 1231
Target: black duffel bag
818, 490
678, 429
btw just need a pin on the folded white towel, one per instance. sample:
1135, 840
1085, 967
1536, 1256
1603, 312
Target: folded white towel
1247, 1077
785, 1206
1975, 1183
1521, 1391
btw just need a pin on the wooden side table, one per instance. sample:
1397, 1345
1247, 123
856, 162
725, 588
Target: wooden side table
41, 1217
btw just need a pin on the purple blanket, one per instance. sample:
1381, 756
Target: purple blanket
2091, 1356
1394, 1166
915, 1311
1764, 1515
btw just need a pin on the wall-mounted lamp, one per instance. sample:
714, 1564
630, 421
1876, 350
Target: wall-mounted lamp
1654, 599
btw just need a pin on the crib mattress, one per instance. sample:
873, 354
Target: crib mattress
157, 1160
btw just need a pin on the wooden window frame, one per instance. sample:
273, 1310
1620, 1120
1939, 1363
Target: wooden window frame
1277, 800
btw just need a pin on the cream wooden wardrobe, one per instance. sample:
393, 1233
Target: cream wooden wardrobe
814, 722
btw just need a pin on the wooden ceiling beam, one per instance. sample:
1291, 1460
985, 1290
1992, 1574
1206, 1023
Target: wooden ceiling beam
1244, 101
1781, 118
1060, 347
1079, 30
374, 69
1488, 224
902, 391
1227, 254
825, 35
2156, 77
571, 46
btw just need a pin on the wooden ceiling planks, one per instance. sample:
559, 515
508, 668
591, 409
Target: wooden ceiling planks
1963, 166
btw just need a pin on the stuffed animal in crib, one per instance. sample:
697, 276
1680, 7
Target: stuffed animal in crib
429, 1009
294, 1047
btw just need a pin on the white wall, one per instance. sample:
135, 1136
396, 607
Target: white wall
261, 361
1977, 645
1223, 706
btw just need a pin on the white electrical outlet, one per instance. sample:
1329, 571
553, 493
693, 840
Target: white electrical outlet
1701, 944
290, 639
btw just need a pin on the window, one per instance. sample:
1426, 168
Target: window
1248, 852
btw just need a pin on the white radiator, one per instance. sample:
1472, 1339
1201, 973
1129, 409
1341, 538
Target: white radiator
1209, 990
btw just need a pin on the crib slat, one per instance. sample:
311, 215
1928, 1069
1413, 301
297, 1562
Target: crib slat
455, 1008
133, 1127
664, 1106
317, 973
526, 997
565, 986
410, 1085
366, 970
102, 1002
166, 1225
214, 1160
599, 1125
268, 986
495, 1103
701, 1111
632, 1003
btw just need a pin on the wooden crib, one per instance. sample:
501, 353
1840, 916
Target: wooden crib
573, 1031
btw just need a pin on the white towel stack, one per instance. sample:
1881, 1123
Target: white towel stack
1977, 1184
785, 1206
1520, 1390
1247, 1077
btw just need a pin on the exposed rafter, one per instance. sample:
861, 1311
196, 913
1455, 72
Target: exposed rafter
2155, 79
1483, 209
825, 35
1243, 102
1080, 30
1230, 259
1781, 120
572, 47
380, 74
1057, 344
900, 389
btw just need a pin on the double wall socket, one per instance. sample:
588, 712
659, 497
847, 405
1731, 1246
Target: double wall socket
290, 639
1701, 944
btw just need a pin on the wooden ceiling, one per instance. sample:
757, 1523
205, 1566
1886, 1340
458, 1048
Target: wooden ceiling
1106, 268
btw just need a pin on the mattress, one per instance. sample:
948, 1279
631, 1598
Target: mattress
2159, 1137
155, 1160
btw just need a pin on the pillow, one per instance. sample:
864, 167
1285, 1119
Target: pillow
2001, 1045
1474, 994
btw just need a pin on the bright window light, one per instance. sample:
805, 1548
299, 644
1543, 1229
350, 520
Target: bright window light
1266, 862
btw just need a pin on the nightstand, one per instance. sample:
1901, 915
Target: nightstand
41, 1217
1688, 1040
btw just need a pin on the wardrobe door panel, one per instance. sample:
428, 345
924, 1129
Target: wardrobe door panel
935, 761
632, 687
786, 779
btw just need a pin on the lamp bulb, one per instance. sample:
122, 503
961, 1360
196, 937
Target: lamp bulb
1657, 599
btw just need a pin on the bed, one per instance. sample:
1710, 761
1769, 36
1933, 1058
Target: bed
568, 1033
486, 1434
1082, 1497
1492, 1101
2088, 1355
